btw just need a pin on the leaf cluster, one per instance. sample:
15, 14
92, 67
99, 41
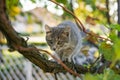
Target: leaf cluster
111, 50
107, 75
13, 7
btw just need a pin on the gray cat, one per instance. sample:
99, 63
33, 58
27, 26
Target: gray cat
65, 39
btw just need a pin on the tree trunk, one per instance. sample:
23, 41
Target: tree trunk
118, 1
107, 13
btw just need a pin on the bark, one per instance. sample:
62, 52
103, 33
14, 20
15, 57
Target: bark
107, 13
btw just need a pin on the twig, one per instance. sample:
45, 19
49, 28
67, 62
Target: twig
71, 4
100, 70
78, 21
58, 60
96, 61
82, 27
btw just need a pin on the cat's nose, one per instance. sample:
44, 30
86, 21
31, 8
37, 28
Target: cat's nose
54, 49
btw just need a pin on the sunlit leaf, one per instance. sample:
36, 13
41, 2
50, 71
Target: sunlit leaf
13, 7
15, 10
107, 50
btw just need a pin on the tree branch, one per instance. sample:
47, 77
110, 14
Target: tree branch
15, 41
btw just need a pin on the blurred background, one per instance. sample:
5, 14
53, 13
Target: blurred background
28, 18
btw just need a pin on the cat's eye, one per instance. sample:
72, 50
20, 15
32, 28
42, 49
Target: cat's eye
60, 42
50, 41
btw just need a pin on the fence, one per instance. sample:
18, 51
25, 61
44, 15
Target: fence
16, 67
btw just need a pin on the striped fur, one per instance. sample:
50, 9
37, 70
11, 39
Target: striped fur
65, 39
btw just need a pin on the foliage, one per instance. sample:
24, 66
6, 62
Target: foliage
93, 9
67, 4
13, 7
106, 50
86, 8
107, 75
111, 50
114, 26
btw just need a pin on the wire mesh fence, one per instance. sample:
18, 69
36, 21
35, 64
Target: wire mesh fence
19, 68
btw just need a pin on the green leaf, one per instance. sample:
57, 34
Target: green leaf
110, 75
113, 36
62, 1
107, 50
34, 1
107, 75
117, 49
115, 26
89, 76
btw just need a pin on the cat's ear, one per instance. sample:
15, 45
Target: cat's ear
67, 31
47, 28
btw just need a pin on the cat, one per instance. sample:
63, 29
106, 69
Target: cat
65, 39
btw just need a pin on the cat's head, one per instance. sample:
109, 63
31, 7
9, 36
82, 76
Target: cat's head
57, 37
